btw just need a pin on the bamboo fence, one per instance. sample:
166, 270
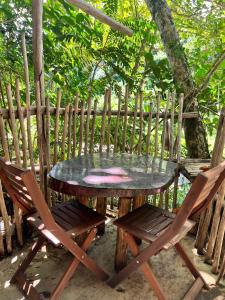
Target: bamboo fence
82, 126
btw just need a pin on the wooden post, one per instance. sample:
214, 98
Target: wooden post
109, 120
56, 133
27, 82
5, 218
101, 16
102, 137
121, 245
134, 123
101, 208
117, 123
13, 124
171, 127
76, 98
157, 124
87, 124
93, 127
141, 123
125, 118
148, 140
3, 137
179, 134
65, 127
22, 127
81, 127
37, 12
69, 131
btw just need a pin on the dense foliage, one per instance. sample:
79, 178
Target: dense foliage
81, 54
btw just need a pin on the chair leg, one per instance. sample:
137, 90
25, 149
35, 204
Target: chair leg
145, 268
26, 262
72, 267
20, 278
190, 264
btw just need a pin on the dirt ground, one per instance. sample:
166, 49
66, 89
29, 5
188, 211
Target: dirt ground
49, 264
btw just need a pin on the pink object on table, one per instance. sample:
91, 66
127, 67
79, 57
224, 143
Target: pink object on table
113, 171
94, 179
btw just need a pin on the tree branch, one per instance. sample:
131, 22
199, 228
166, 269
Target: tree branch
210, 73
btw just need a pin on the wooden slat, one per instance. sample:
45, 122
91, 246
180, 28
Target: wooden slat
65, 129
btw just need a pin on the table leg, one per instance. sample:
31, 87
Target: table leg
101, 208
121, 245
82, 237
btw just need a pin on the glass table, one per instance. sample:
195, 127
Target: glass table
127, 176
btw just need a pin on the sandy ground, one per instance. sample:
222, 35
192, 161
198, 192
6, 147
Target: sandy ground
50, 264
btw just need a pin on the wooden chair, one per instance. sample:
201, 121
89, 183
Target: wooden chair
58, 226
164, 230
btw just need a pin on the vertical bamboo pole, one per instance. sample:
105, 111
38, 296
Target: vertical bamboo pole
141, 123
149, 129
6, 219
27, 83
2, 94
157, 124
69, 131
102, 137
56, 131
37, 12
109, 121
125, 118
22, 127
87, 124
48, 128
179, 135
93, 127
117, 123
81, 127
3, 137
164, 128
134, 123
172, 126
13, 124
65, 127
17, 212
76, 98
163, 148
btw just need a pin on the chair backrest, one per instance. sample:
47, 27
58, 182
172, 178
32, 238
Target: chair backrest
24, 191
201, 193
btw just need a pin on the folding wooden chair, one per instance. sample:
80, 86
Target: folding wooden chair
58, 226
164, 230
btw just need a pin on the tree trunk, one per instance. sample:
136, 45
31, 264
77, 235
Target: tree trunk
195, 134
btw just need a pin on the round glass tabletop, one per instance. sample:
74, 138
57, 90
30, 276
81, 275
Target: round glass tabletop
119, 173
